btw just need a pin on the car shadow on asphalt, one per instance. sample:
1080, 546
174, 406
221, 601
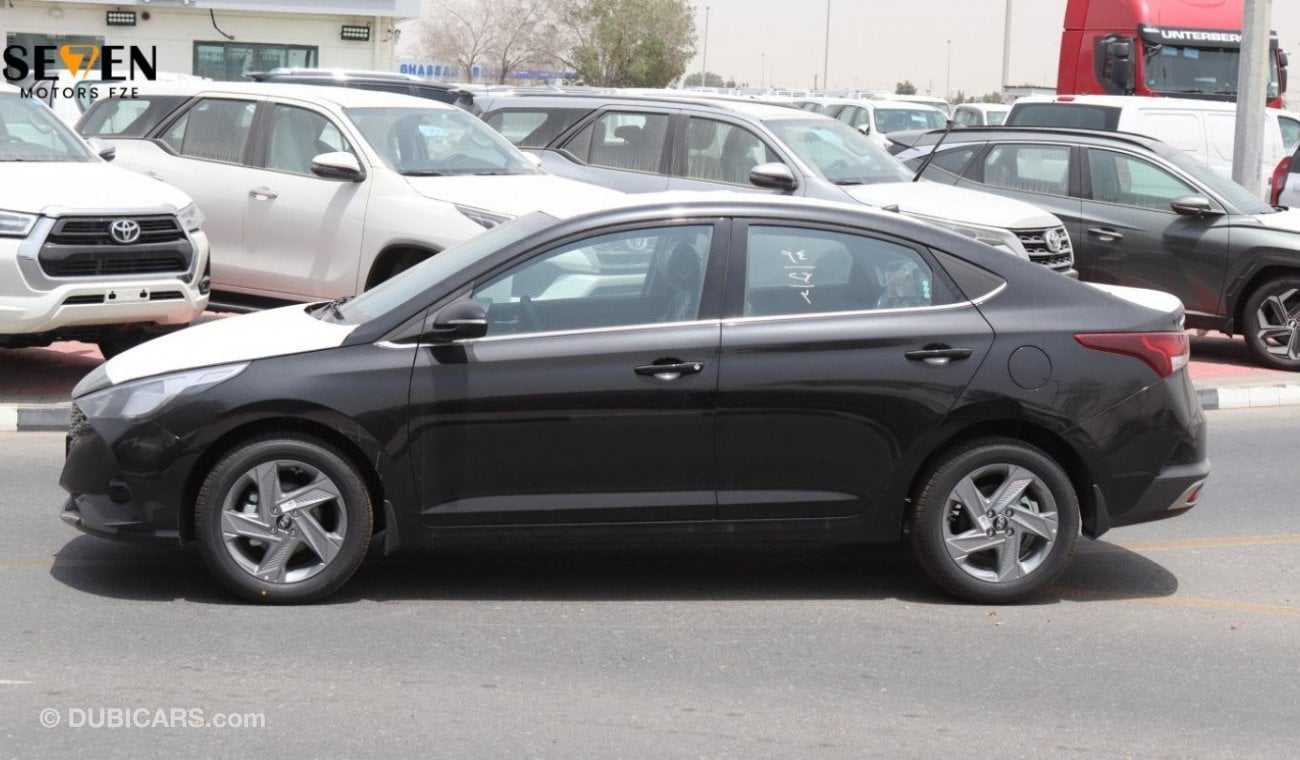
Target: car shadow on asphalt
1099, 572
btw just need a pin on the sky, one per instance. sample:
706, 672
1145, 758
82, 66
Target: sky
876, 43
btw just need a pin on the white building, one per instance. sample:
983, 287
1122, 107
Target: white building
220, 39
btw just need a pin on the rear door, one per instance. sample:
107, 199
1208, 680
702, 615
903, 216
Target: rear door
1043, 174
840, 351
625, 149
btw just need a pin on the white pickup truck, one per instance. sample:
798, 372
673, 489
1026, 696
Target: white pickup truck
89, 251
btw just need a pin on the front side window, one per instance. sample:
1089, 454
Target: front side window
31, 132
791, 270
1029, 168
723, 152
1129, 181
966, 117
854, 116
213, 129
622, 140
299, 135
645, 276
127, 117
434, 142
533, 128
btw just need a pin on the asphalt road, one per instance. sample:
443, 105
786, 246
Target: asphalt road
1172, 639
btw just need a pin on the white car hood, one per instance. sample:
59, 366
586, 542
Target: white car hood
953, 203
278, 332
67, 187
516, 195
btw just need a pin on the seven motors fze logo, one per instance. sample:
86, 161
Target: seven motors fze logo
96, 70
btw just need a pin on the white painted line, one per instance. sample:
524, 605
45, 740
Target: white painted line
13, 683
8, 419
1267, 395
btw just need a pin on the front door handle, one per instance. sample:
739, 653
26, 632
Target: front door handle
263, 193
938, 356
1106, 234
669, 369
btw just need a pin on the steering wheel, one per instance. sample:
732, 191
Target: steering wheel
528, 319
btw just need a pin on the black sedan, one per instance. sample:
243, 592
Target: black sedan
705, 368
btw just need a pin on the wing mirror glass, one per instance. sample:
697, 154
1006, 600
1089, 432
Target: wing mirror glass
774, 175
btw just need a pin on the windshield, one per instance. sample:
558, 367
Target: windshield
1230, 191
1190, 70
996, 118
31, 132
899, 119
429, 142
839, 152
393, 293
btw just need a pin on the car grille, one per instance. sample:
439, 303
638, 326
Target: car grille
82, 247
78, 425
87, 230
1036, 245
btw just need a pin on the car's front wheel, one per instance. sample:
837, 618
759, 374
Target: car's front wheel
283, 518
995, 521
1272, 323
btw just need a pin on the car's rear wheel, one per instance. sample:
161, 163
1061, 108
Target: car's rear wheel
995, 521
1272, 323
283, 518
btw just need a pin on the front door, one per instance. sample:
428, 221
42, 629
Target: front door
840, 351
302, 233
1133, 237
592, 397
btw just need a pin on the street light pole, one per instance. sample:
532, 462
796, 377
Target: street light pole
762, 74
704, 62
1006, 52
947, 80
826, 48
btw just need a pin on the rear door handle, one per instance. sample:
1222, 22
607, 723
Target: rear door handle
1105, 234
669, 370
263, 193
938, 356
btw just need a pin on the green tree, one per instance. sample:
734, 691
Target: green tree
629, 43
905, 87
710, 80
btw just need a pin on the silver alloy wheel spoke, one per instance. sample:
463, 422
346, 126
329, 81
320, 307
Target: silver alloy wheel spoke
326, 545
969, 496
322, 489
1009, 568
1018, 479
267, 477
275, 563
238, 524
971, 542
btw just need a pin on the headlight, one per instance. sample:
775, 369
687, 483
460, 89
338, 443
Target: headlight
485, 219
191, 218
994, 236
14, 224
140, 398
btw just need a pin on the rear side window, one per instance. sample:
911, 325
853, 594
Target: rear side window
1029, 168
126, 117
791, 270
723, 152
622, 140
533, 127
948, 165
213, 129
1073, 115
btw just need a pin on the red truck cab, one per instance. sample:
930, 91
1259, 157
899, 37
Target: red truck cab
1172, 48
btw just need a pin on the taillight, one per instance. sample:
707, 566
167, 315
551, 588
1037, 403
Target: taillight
1164, 352
1278, 183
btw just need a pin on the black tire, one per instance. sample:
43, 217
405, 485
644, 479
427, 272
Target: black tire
1271, 323
339, 519
115, 343
1041, 546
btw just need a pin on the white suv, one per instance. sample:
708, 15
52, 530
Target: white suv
320, 192
88, 251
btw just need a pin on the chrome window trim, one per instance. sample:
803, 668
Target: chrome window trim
588, 331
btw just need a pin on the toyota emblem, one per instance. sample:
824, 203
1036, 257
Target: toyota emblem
1057, 240
124, 231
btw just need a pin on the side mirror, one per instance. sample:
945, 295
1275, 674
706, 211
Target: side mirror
338, 165
1282, 63
102, 149
1193, 205
456, 321
1119, 61
533, 159
775, 175
864, 128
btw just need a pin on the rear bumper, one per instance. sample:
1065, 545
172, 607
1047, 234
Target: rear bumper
1174, 491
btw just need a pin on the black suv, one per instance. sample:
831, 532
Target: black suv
1143, 213
383, 81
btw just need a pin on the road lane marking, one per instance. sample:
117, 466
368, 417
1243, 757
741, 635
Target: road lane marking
1193, 543
4, 682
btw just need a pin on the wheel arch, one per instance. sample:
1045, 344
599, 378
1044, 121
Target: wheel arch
349, 447
1091, 507
381, 267
1239, 297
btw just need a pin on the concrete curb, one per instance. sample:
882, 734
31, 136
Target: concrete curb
35, 418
